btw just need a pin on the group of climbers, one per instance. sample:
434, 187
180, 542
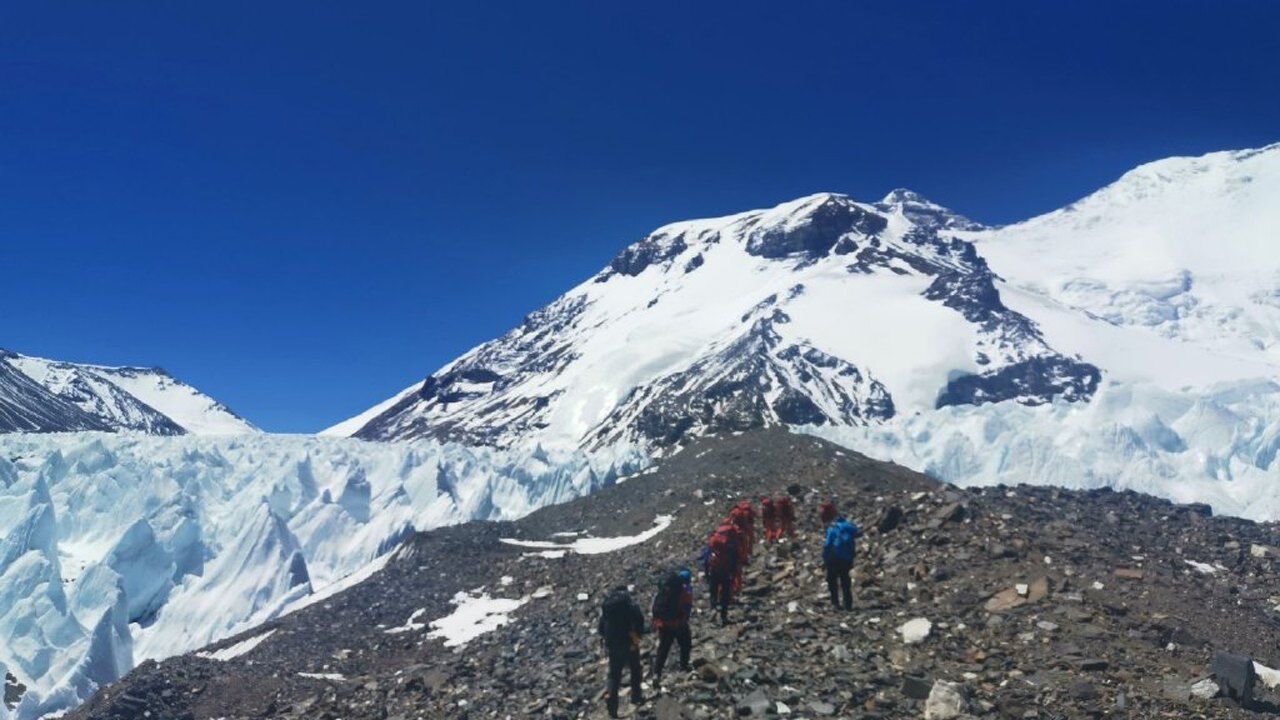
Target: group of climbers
728, 551
778, 517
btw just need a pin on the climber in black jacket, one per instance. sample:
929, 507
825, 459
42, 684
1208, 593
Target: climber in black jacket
621, 625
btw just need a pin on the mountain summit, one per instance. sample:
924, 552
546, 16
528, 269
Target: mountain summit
38, 395
1128, 339
820, 311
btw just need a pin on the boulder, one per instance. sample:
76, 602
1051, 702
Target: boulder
1206, 689
915, 631
1236, 675
946, 701
916, 687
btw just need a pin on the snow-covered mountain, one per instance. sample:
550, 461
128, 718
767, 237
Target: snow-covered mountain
821, 311
1129, 339
38, 395
118, 548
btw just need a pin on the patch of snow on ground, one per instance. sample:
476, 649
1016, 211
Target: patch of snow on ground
323, 676
409, 625
475, 615
234, 651
1202, 568
593, 545
1269, 676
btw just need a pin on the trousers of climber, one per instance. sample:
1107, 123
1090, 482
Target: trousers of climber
837, 555
786, 516
672, 606
621, 625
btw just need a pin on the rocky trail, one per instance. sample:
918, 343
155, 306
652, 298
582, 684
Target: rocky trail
1001, 602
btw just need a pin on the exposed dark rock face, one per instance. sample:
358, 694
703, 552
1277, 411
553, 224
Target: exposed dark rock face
1039, 602
1031, 382
654, 249
757, 381
26, 406
816, 233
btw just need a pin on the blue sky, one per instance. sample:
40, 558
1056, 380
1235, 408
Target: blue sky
303, 207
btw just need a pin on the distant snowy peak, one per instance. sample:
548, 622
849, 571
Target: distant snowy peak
822, 310
38, 395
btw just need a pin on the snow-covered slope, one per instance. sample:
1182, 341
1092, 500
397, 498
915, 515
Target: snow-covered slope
823, 310
119, 548
1187, 248
38, 395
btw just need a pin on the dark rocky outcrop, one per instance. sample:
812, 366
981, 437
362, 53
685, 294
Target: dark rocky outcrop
816, 232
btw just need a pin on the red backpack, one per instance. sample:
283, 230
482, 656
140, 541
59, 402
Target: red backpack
786, 510
724, 548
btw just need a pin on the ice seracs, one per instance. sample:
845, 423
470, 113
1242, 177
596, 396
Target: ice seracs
118, 548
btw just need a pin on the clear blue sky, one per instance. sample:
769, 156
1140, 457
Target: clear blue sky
303, 207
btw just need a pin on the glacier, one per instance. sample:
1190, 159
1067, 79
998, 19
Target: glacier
119, 548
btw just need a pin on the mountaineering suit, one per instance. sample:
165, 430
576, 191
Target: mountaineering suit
621, 625
671, 609
786, 516
769, 518
837, 556
721, 568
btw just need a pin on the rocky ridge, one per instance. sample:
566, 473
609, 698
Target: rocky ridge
1017, 602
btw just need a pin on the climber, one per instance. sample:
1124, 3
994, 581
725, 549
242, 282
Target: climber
769, 518
744, 517
672, 606
743, 556
621, 625
837, 556
827, 512
786, 516
721, 566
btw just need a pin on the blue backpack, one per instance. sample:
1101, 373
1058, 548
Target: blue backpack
841, 537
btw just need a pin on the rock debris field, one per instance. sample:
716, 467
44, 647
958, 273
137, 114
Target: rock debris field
1002, 602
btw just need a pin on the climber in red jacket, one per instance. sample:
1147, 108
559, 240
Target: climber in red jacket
786, 516
769, 518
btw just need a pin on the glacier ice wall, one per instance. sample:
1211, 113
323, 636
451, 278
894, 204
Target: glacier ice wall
1216, 446
116, 549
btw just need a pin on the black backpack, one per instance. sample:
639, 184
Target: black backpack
666, 603
616, 616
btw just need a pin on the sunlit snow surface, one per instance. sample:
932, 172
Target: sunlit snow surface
593, 545
119, 548
474, 615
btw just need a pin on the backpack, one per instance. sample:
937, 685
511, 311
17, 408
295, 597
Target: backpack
616, 617
786, 510
724, 551
666, 603
840, 544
